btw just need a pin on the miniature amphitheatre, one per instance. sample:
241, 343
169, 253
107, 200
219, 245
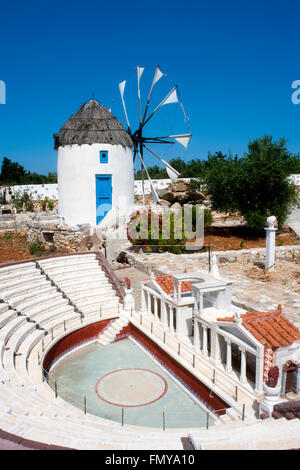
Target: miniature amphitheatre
106, 347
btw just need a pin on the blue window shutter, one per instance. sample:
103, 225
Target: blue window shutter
103, 156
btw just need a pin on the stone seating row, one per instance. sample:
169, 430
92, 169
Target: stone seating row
27, 405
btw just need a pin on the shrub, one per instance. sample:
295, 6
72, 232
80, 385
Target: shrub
46, 201
139, 232
273, 376
256, 185
23, 197
37, 249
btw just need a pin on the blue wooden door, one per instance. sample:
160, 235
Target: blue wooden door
103, 196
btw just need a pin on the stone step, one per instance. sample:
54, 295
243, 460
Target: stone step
25, 307
22, 281
36, 291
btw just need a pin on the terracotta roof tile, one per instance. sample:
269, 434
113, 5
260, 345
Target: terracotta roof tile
166, 283
272, 329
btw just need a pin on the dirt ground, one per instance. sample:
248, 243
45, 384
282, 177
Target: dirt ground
13, 247
236, 238
285, 274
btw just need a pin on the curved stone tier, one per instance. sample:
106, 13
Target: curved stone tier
42, 302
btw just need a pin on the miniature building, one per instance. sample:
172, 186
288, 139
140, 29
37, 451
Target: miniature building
95, 165
244, 344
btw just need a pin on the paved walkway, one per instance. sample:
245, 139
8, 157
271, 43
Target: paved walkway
247, 293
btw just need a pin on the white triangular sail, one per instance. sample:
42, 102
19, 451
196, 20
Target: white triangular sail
173, 174
157, 76
182, 139
171, 98
122, 89
140, 71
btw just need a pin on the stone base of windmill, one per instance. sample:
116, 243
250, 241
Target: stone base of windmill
129, 302
271, 398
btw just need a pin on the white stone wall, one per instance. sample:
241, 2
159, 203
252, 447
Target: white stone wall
295, 179
77, 168
158, 184
283, 355
38, 191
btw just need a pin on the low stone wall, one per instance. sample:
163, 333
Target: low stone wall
223, 257
54, 233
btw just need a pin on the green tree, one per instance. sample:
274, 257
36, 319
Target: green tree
255, 185
11, 172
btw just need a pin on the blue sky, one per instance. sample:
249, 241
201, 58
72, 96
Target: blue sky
234, 63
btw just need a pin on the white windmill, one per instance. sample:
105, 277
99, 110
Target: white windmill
140, 141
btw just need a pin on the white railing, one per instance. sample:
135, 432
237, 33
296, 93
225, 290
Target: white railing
207, 372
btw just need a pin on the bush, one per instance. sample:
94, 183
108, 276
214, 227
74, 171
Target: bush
48, 201
143, 222
37, 249
256, 185
21, 198
139, 232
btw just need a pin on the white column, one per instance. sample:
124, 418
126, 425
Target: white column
149, 302
196, 334
228, 356
164, 314
155, 308
200, 303
243, 377
270, 242
171, 318
144, 303
179, 291
204, 343
259, 371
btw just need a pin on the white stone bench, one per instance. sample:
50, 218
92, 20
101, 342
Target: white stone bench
48, 307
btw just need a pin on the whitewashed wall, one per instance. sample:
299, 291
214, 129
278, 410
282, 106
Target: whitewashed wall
77, 167
39, 191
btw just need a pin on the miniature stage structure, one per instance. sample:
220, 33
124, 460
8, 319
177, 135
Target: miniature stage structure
246, 344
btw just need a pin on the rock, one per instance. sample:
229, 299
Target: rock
84, 227
166, 194
181, 197
176, 206
179, 186
195, 195
73, 228
90, 243
122, 257
164, 202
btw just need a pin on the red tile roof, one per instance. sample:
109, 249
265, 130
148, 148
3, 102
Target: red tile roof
272, 329
166, 283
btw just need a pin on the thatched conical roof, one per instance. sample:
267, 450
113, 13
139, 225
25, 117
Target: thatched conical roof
93, 123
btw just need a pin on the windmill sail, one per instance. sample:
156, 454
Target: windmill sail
140, 70
170, 98
157, 76
153, 191
122, 89
182, 139
173, 174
